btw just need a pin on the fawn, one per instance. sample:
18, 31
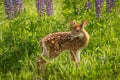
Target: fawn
74, 41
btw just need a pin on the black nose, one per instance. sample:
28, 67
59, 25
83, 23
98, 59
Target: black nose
38, 62
77, 30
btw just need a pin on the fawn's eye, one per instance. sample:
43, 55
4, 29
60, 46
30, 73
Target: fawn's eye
77, 30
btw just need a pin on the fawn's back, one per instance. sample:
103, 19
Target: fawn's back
65, 41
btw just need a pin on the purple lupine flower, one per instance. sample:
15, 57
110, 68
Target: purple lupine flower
49, 7
17, 6
98, 8
101, 3
108, 5
41, 7
88, 5
9, 9
112, 3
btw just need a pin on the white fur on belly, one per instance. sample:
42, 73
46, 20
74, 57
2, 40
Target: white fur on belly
45, 52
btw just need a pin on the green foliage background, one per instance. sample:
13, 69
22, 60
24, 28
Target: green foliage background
19, 47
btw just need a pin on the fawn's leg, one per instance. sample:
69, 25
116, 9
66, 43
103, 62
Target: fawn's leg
45, 54
72, 55
42, 59
75, 56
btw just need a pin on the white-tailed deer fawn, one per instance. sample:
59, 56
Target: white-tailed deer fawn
74, 41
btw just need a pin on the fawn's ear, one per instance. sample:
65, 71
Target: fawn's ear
84, 23
72, 23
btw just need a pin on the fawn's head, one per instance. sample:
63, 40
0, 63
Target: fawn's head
78, 28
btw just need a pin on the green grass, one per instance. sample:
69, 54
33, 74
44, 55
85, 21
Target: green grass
19, 48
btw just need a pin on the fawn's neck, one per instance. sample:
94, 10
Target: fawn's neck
85, 37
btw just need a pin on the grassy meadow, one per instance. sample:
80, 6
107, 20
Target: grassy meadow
19, 48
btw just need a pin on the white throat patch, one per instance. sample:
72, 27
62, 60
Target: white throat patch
81, 35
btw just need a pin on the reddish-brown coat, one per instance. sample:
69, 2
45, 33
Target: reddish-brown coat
60, 41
